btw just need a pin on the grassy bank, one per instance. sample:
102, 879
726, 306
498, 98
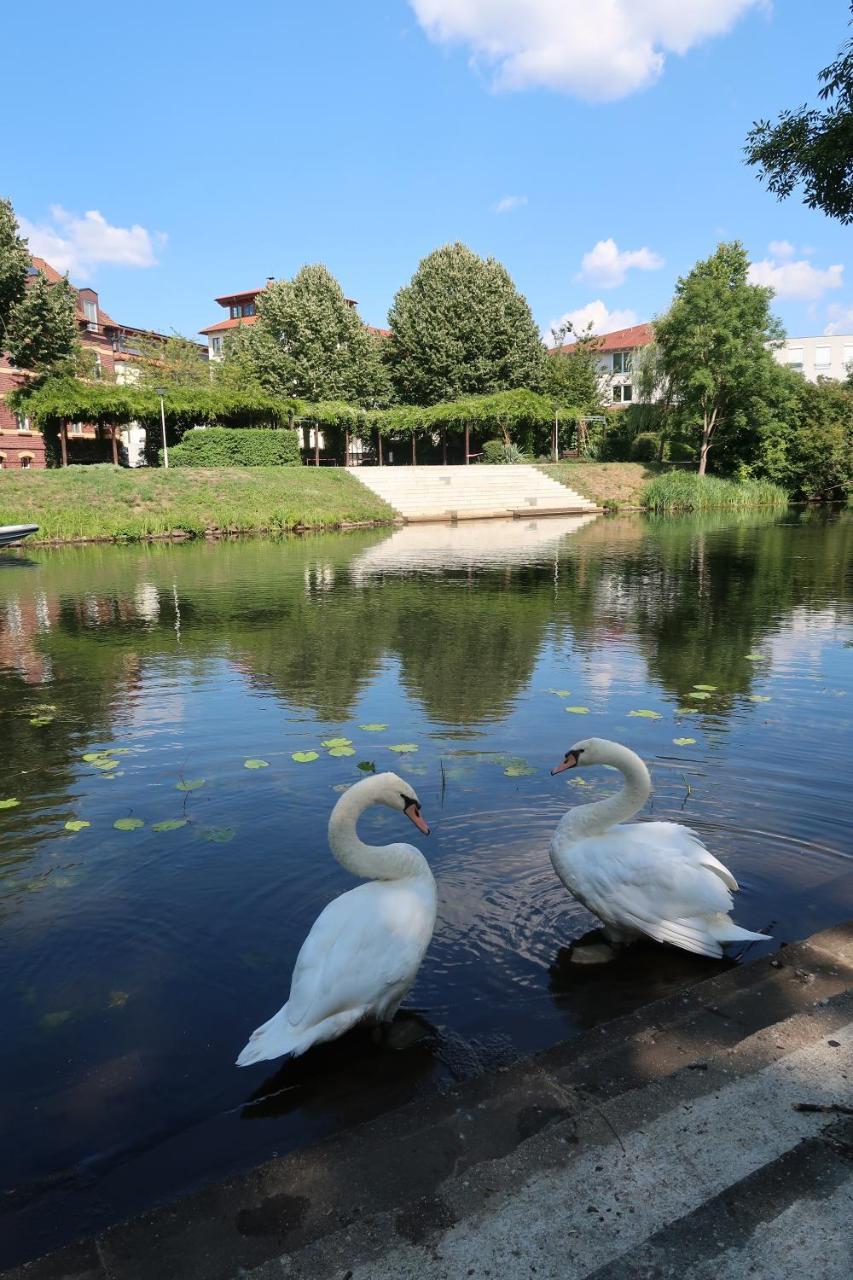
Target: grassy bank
685, 491
612, 483
110, 502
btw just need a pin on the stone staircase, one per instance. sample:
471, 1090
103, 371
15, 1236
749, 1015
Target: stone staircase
471, 493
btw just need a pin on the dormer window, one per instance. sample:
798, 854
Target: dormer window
90, 311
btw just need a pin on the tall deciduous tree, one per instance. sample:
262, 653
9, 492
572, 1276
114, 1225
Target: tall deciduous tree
713, 342
574, 377
175, 362
812, 148
462, 328
42, 329
14, 263
308, 341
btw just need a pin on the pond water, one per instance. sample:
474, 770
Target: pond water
136, 960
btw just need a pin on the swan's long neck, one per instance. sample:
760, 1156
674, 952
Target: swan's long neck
595, 818
371, 862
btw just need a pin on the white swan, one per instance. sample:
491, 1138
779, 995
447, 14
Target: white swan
654, 878
365, 948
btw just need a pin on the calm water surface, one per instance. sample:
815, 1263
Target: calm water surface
136, 961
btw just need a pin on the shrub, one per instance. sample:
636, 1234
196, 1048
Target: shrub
687, 491
237, 447
494, 451
678, 451
645, 447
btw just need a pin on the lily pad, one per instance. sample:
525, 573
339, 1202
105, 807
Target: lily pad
367, 766
256, 764
373, 728
128, 824
118, 999
91, 756
580, 782
754, 657
708, 688
44, 706
759, 697
305, 757
341, 751
40, 720
77, 824
402, 748
9, 804
519, 770
578, 711
337, 742
686, 711
105, 763
169, 824
684, 742
190, 784
698, 693
561, 693
218, 835
645, 714
51, 1020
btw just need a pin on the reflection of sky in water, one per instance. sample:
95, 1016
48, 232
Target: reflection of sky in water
136, 962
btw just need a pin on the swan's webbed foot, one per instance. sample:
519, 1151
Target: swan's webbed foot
402, 1032
593, 953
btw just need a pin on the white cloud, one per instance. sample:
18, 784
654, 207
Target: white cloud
607, 265
506, 204
796, 278
840, 319
77, 245
598, 316
781, 249
599, 52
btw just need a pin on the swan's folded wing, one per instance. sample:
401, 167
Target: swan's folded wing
350, 958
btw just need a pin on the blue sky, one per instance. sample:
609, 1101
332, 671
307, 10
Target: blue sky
223, 143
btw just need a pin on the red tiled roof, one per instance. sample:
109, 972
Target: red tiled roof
637, 335
228, 324
228, 298
46, 269
380, 333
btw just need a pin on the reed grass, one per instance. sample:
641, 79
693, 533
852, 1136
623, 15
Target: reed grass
685, 491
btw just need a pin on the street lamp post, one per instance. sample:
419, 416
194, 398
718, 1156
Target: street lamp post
161, 393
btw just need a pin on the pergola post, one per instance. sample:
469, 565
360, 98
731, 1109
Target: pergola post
346, 446
316, 444
414, 452
444, 446
467, 444
379, 443
115, 446
63, 441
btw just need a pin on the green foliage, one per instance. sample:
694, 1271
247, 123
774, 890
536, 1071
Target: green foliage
645, 447
225, 447
712, 343
573, 378
14, 263
498, 452
175, 362
686, 491
41, 332
812, 148
309, 342
802, 437
459, 328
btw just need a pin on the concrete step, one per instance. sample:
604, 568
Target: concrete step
423, 493
668, 1143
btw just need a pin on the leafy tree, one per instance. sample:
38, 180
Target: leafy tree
713, 342
42, 330
309, 342
14, 263
812, 148
803, 436
175, 362
460, 327
574, 377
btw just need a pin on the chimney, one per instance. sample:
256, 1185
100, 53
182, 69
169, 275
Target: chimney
270, 280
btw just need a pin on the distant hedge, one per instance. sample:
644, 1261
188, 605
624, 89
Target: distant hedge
237, 447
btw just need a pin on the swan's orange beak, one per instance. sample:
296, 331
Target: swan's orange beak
413, 813
569, 763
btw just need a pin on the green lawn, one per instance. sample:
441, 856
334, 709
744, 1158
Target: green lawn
111, 502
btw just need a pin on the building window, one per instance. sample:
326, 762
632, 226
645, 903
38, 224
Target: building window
76, 428
216, 345
795, 358
621, 361
822, 357
848, 357
2, 462
90, 311
26, 460
622, 393
23, 423
248, 308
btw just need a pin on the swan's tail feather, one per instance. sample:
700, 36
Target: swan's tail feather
724, 929
689, 935
277, 1038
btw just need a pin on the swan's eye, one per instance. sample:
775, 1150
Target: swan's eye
409, 800
575, 754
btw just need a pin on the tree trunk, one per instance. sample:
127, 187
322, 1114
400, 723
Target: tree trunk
443, 447
115, 446
63, 442
346, 446
467, 445
379, 445
414, 452
316, 444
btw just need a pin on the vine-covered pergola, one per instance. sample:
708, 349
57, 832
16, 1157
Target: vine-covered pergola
55, 402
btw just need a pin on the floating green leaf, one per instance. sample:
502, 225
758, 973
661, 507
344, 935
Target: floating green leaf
561, 693
684, 742
118, 999
519, 770
403, 747
218, 835
91, 756
44, 706
580, 782
578, 711
367, 766
759, 697
170, 824
709, 688
373, 728
128, 824
190, 784
40, 720
754, 657
51, 1020
115, 751
76, 824
337, 742
698, 693
341, 751
104, 762
645, 714
9, 804
686, 711
256, 764
304, 757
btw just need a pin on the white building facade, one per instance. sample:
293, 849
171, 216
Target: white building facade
826, 356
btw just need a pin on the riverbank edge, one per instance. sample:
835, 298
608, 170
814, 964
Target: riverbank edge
407, 1179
